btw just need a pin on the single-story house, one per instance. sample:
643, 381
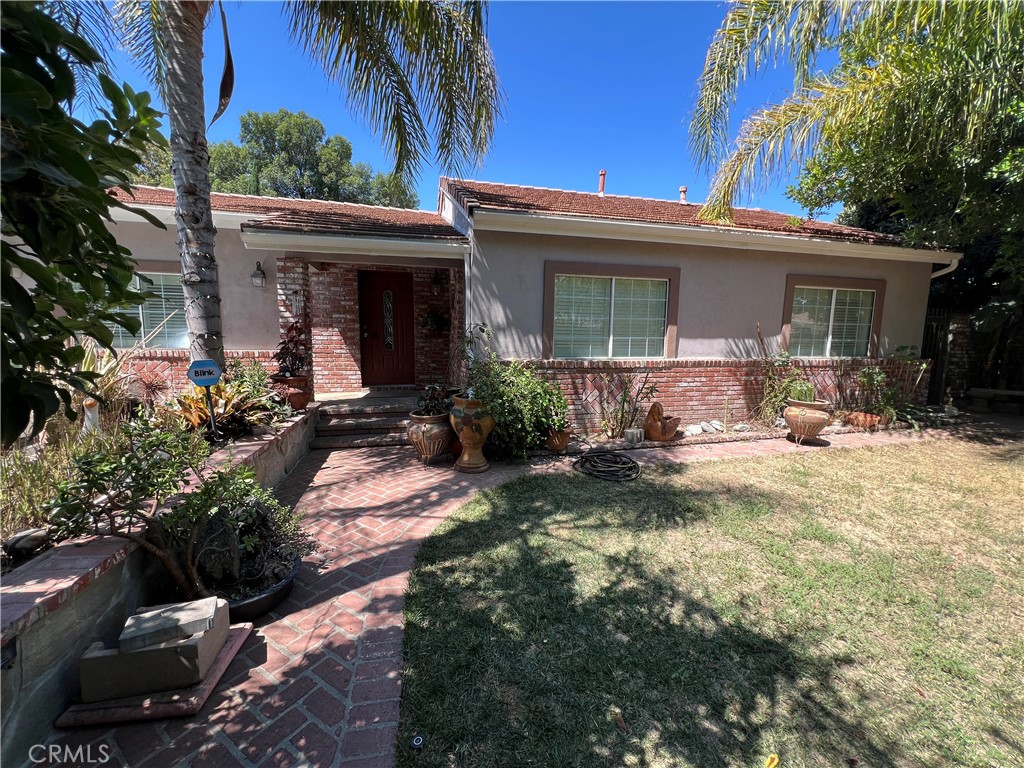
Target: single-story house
582, 284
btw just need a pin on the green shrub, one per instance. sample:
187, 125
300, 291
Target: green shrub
517, 398
802, 391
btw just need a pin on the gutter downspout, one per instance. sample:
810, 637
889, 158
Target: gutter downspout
467, 259
946, 270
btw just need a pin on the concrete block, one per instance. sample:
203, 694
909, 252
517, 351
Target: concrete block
167, 622
113, 674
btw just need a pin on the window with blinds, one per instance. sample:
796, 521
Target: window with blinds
830, 322
609, 317
166, 308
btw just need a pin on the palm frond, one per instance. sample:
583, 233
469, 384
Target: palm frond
91, 21
914, 73
412, 70
140, 23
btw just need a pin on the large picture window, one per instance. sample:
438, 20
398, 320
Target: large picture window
837, 320
594, 315
168, 305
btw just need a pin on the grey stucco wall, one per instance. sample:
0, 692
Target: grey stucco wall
249, 314
724, 292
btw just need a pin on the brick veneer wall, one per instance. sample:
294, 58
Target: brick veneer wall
333, 307
171, 364
696, 390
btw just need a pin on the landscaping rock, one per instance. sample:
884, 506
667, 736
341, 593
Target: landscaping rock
719, 426
741, 428
113, 674
693, 430
26, 542
167, 622
706, 427
780, 422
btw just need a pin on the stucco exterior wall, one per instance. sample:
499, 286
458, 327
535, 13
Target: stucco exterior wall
249, 314
724, 292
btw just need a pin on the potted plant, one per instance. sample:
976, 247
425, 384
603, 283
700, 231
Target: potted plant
294, 359
469, 415
805, 416
429, 429
225, 535
556, 420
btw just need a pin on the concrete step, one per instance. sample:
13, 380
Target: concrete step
362, 424
358, 441
367, 407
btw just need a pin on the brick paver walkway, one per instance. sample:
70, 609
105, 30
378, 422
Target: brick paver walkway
318, 682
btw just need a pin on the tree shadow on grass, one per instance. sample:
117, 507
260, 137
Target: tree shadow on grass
523, 648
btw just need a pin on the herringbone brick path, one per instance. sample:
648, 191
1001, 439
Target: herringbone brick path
318, 682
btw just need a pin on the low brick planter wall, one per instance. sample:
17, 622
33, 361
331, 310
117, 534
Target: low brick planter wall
695, 390
80, 592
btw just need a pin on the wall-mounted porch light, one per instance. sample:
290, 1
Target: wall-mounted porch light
296, 300
437, 282
258, 276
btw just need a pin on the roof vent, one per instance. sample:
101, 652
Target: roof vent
682, 194
600, 183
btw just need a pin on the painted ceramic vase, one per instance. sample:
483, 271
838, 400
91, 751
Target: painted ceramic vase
472, 423
430, 435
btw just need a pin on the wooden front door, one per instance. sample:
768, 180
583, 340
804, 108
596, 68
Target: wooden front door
386, 330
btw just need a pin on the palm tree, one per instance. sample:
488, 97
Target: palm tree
411, 68
954, 68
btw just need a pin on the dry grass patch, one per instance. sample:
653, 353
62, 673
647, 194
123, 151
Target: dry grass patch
831, 607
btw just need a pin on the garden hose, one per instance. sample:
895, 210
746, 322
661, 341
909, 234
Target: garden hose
607, 465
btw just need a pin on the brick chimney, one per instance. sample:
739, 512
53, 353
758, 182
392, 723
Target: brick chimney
682, 194
600, 183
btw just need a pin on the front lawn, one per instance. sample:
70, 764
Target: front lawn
836, 608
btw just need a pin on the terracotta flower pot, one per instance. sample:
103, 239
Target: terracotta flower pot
558, 440
297, 393
431, 436
472, 423
805, 420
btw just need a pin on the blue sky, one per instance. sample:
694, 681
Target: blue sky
589, 85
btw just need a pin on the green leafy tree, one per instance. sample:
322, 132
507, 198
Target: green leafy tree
154, 167
413, 69
63, 275
287, 154
924, 80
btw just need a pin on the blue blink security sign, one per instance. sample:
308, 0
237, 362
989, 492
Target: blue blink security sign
204, 373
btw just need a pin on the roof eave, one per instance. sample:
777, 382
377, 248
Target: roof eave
712, 236
279, 240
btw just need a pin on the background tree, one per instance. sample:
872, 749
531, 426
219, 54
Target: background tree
288, 154
75, 279
412, 69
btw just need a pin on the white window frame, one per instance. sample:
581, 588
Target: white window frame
611, 317
143, 330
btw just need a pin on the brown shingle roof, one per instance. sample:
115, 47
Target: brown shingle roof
313, 216
512, 198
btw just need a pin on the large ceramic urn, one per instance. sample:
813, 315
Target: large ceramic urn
430, 435
805, 420
472, 424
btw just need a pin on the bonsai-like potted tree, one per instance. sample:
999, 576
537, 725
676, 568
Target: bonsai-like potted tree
225, 535
293, 359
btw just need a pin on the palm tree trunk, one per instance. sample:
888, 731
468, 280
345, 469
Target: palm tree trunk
183, 23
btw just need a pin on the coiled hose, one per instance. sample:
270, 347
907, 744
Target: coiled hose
607, 465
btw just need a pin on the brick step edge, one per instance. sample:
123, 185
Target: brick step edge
329, 410
363, 424
358, 441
